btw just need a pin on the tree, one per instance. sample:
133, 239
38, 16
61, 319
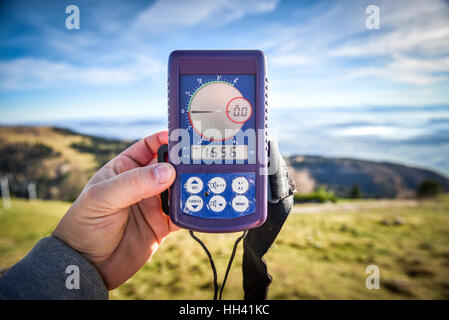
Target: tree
428, 188
356, 192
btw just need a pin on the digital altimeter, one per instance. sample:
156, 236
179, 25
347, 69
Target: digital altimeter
217, 130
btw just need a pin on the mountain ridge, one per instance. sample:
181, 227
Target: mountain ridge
376, 179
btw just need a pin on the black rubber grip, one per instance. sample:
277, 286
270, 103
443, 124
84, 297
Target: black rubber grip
162, 153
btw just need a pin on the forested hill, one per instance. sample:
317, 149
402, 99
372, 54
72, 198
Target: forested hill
375, 179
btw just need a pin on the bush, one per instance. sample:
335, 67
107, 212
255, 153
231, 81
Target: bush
428, 188
22, 157
320, 195
355, 192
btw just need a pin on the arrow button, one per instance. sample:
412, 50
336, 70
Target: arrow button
194, 185
194, 203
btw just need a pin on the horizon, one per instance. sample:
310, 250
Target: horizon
409, 165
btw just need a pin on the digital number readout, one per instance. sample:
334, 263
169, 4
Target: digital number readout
219, 152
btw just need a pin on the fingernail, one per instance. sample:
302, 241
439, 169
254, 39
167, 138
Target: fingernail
162, 172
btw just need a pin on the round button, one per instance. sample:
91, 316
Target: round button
194, 185
240, 185
194, 203
240, 203
217, 203
217, 185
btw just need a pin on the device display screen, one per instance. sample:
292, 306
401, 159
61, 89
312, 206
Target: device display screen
214, 109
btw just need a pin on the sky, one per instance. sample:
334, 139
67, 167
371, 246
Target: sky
319, 53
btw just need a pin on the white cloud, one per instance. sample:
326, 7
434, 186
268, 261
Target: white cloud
411, 47
329, 58
179, 13
417, 71
26, 73
405, 25
116, 54
292, 60
404, 63
429, 40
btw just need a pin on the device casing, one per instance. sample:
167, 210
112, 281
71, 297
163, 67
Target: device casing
220, 62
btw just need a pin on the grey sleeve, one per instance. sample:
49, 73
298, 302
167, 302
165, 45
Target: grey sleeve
49, 271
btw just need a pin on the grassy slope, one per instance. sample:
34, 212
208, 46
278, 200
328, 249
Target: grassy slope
80, 165
59, 142
321, 255
24, 224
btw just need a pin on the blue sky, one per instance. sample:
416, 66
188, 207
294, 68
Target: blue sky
320, 54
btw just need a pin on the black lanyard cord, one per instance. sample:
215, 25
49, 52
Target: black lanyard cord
234, 250
212, 264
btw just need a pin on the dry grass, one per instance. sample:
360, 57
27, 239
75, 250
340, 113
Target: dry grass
81, 165
316, 256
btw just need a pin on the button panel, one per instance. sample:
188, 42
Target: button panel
218, 195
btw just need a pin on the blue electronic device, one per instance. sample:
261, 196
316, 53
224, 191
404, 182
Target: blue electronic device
218, 145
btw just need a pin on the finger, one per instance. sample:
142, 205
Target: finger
139, 154
146, 149
171, 226
119, 164
132, 186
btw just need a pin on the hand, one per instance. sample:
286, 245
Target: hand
117, 222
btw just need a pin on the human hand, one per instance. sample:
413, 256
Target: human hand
117, 222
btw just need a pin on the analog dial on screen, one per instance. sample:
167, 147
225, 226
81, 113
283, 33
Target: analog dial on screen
217, 110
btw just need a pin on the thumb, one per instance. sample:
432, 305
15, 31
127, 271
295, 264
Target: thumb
132, 186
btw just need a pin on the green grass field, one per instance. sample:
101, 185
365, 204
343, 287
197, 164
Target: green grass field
321, 253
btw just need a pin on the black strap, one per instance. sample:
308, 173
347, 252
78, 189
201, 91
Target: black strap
256, 278
212, 264
162, 153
